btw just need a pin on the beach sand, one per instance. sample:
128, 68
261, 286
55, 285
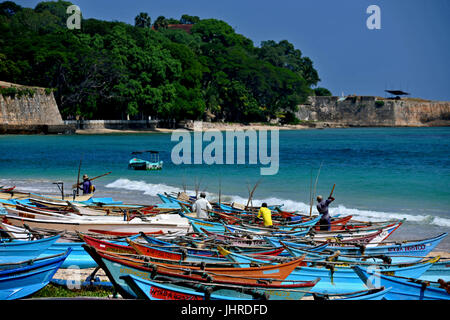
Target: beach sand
206, 126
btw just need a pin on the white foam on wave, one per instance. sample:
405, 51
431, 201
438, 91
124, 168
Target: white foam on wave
289, 205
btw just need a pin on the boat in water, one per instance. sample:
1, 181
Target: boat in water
141, 164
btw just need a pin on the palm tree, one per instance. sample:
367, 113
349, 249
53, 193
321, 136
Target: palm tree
160, 23
142, 20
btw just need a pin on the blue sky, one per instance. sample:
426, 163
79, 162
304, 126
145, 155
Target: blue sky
410, 52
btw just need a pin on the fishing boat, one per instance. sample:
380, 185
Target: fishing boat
336, 277
368, 237
117, 265
22, 279
439, 270
168, 251
141, 164
400, 251
19, 250
370, 294
176, 289
165, 222
403, 288
199, 224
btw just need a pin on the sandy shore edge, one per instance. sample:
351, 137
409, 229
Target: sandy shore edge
206, 127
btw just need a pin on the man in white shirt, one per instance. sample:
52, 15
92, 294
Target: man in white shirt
201, 207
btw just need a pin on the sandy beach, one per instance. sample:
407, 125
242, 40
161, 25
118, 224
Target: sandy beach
206, 126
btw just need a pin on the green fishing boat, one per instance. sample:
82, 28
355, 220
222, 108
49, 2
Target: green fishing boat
141, 164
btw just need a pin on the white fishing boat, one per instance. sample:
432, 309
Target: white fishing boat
164, 222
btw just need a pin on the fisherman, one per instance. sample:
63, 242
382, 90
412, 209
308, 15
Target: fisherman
87, 185
266, 215
322, 207
201, 207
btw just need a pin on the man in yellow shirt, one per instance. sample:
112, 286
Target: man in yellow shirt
266, 215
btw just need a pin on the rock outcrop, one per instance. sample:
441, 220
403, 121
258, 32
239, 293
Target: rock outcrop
363, 111
29, 110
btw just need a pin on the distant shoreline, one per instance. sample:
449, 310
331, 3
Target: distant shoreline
206, 126
237, 126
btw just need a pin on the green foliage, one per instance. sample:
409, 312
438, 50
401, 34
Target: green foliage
14, 92
289, 118
111, 70
143, 20
322, 92
379, 103
52, 291
160, 23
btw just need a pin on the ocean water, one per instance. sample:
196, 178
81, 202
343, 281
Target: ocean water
379, 173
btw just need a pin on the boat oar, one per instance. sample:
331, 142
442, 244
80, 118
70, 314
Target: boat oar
78, 178
332, 190
105, 174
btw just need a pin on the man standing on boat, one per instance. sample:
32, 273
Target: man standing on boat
322, 207
201, 207
266, 215
87, 185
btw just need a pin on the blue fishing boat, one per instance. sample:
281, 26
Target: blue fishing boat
166, 199
217, 227
174, 247
141, 164
336, 256
19, 250
439, 270
231, 209
335, 279
20, 280
399, 252
78, 257
172, 289
370, 294
403, 288
117, 265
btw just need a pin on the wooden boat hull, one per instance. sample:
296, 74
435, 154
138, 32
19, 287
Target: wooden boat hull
123, 234
28, 278
84, 226
402, 289
336, 278
151, 290
439, 270
367, 238
116, 266
20, 250
371, 294
407, 252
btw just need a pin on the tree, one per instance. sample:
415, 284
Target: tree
142, 20
187, 19
9, 8
160, 23
111, 69
319, 91
284, 55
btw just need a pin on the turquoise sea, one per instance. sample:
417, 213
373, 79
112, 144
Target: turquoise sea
380, 173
